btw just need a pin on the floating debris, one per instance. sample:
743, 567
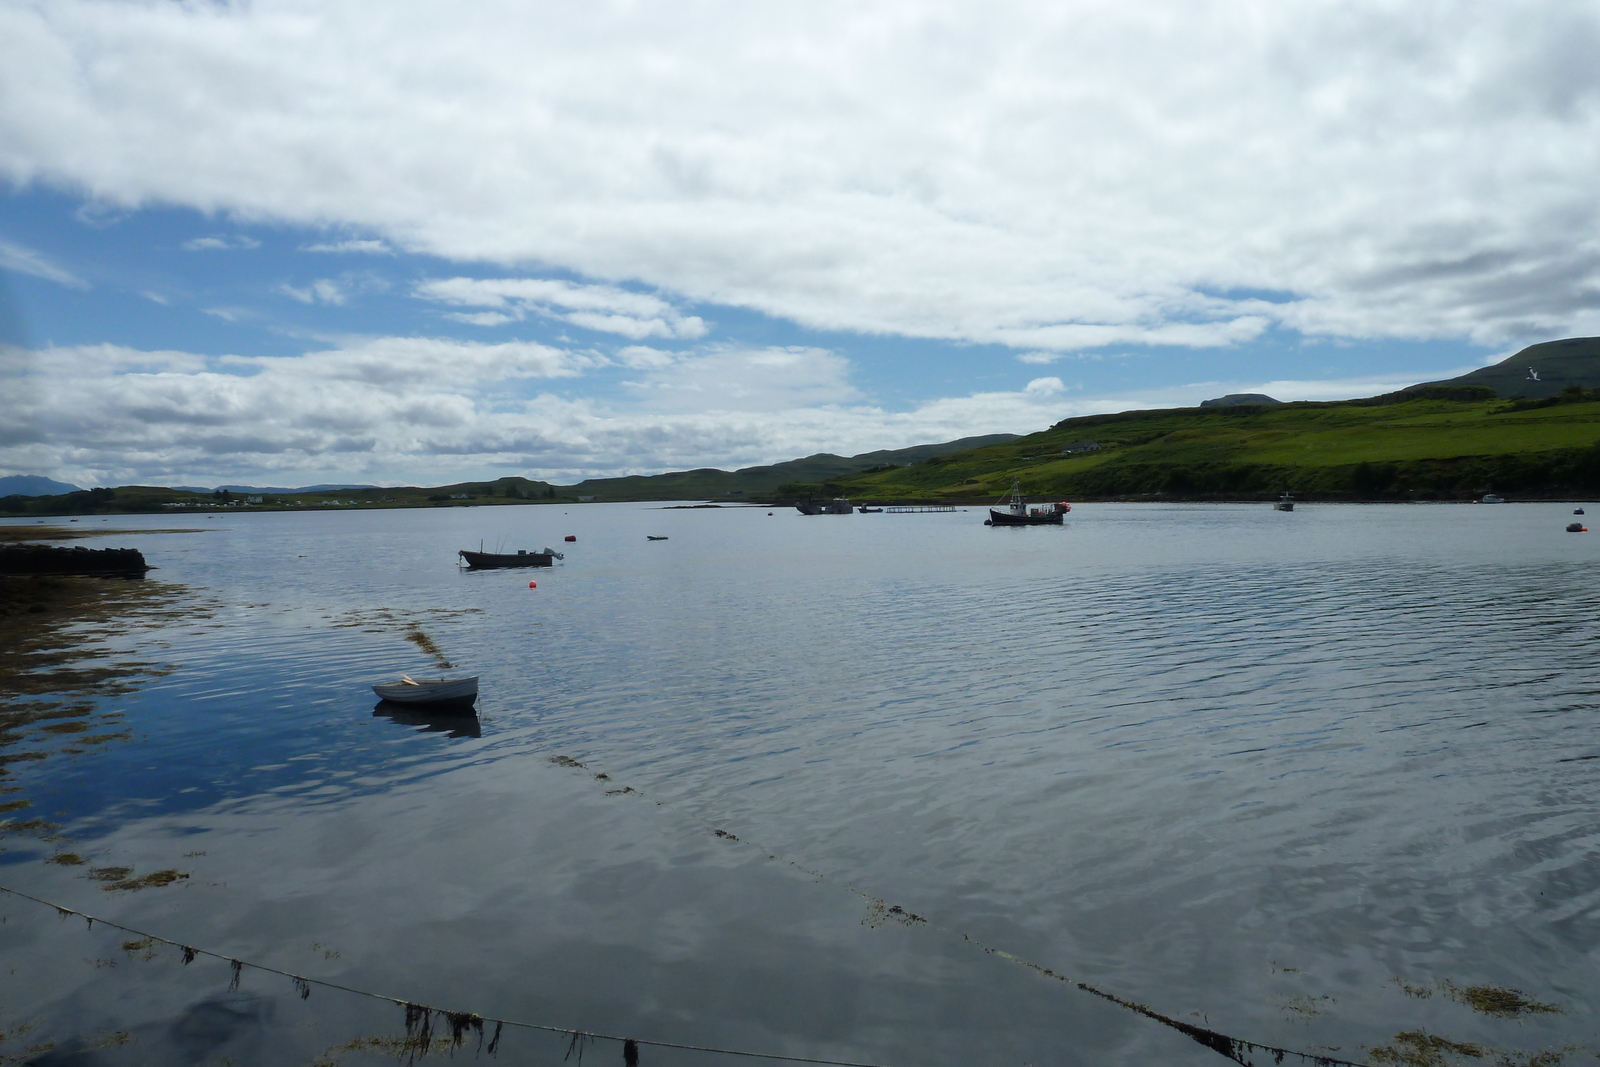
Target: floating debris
118, 879
1418, 1048
566, 761
1496, 1001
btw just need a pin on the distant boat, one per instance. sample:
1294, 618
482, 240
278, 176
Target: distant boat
1284, 503
1490, 498
653, 537
520, 558
836, 506
457, 691
1577, 511
1577, 527
1017, 513
869, 511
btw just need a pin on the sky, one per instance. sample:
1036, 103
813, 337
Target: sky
285, 242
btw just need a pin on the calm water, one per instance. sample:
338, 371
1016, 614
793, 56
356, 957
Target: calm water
1247, 768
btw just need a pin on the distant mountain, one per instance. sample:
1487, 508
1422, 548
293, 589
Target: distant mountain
1558, 364
33, 485
754, 482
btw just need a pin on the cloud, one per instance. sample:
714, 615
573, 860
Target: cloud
322, 291
594, 307
223, 243
1002, 173
23, 260
371, 248
431, 410
744, 380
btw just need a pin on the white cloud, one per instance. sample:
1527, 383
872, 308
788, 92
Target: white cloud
643, 357
425, 410
1013, 173
23, 260
224, 243
746, 380
480, 318
593, 307
321, 291
371, 248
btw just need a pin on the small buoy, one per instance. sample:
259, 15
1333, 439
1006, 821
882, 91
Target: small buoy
570, 537
533, 585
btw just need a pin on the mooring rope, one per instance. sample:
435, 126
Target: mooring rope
419, 1016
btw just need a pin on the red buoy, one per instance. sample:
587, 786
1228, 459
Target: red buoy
533, 585
570, 537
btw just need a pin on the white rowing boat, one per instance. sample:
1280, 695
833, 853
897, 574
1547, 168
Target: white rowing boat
429, 690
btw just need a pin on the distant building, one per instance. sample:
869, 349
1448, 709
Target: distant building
458, 496
585, 499
252, 500
1081, 446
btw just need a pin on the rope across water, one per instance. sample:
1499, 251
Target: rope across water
418, 1016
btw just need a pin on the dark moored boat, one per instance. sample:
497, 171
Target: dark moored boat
836, 506
1017, 513
482, 560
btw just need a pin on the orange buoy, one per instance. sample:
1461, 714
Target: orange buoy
533, 585
570, 537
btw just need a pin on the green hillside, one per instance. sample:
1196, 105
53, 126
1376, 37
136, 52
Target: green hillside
1559, 364
1423, 443
752, 483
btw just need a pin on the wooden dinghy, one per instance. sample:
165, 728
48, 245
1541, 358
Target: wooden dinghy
461, 691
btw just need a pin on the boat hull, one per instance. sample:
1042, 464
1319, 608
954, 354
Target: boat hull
832, 507
433, 692
1006, 518
486, 560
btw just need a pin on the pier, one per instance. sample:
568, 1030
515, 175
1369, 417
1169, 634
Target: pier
919, 509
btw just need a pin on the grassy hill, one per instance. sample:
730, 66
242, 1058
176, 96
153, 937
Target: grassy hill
756, 483
1559, 364
750, 483
1440, 440
1423, 443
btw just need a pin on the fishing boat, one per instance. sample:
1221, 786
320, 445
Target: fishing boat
869, 511
1493, 498
836, 506
1284, 503
1016, 512
655, 537
519, 558
459, 691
